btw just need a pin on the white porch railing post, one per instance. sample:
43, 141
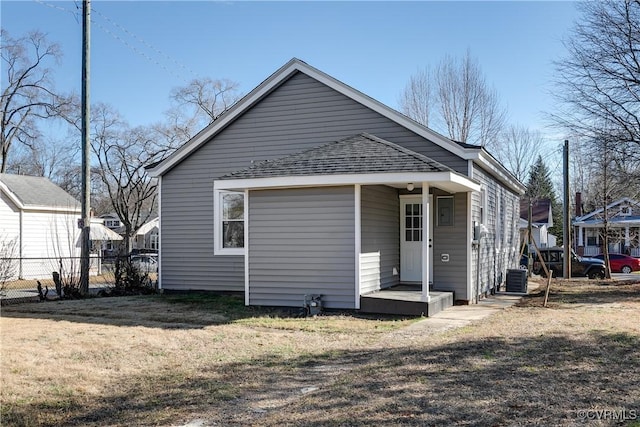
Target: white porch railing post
580, 236
426, 217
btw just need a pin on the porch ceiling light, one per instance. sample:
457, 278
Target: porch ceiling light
410, 186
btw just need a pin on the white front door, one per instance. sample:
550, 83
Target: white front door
411, 239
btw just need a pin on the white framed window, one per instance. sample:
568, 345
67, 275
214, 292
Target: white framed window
229, 222
625, 211
153, 241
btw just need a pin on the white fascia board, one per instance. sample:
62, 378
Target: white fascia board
275, 80
33, 208
609, 206
448, 179
14, 199
499, 172
238, 109
383, 109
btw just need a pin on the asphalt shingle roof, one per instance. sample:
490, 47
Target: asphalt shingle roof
38, 191
357, 154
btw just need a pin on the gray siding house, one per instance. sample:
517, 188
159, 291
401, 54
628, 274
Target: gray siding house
307, 186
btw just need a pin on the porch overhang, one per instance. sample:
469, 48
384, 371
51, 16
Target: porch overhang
449, 181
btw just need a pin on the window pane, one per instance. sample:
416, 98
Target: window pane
416, 222
233, 234
408, 236
416, 236
407, 209
408, 222
416, 209
233, 206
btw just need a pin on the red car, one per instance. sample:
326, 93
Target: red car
622, 263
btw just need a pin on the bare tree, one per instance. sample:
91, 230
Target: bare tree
418, 98
27, 89
122, 154
599, 80
197, 104
517, 148
468, 110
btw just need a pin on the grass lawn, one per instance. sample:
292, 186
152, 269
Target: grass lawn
173, 360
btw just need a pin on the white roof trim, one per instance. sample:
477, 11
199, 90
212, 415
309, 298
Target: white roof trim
609, 206
16, 201
482, 158
445, 180
296, 65
274, 81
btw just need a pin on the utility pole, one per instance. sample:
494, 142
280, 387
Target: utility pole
566, 235
86, 153
529, 237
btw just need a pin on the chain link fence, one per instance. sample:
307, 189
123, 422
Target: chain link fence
36, 279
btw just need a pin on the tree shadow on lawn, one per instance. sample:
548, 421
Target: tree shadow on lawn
545, 380
173, 311
566, 294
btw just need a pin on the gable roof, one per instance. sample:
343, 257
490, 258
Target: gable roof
625, 200
357, 154
477, 154
540, 211
34, 192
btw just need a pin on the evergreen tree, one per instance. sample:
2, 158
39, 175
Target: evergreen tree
540, 186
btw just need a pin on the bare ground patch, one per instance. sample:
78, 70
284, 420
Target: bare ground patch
148, 361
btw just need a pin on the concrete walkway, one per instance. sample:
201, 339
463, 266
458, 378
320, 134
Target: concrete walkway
462, 315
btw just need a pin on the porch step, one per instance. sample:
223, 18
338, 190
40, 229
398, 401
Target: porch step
405, 302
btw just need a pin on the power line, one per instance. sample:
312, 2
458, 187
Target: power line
133, 48
144, 42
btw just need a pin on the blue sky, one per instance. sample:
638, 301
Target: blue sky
143, 49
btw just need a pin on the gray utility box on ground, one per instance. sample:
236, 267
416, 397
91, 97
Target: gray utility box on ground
517, 281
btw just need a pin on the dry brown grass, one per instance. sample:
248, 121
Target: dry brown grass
154, 361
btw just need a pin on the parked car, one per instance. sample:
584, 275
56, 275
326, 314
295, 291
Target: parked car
580, 266
145, 262
622, 263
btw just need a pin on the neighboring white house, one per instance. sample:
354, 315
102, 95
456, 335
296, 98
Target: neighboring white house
41, 219
623, 218
541, 222
39, 228
146, 238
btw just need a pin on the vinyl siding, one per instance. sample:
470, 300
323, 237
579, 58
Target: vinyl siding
380, 225
50, 234
369, 272
452, 240
300, 114
302, 241
9, 219
499, 249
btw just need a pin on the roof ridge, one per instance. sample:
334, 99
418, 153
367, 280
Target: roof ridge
404, 150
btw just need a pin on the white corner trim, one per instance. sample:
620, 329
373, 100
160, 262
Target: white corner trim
246, 247
426, 259
159, 232
469, 244
357, 193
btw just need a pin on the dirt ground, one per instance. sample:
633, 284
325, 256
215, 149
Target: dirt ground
155, 360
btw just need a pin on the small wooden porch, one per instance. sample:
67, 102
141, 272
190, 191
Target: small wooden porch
405, 300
